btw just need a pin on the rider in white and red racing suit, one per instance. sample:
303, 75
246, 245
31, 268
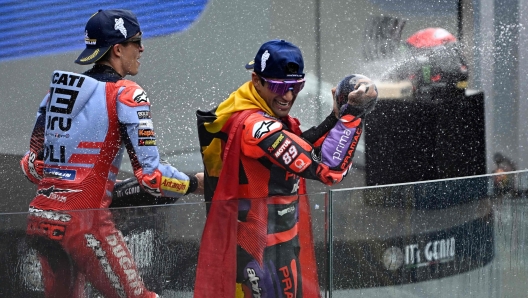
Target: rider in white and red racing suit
83, 126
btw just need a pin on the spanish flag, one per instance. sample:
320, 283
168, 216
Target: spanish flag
220, 133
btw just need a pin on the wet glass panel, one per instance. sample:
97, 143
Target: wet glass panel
163, 240
401, 241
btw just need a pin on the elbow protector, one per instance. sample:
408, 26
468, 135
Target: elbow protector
33, 167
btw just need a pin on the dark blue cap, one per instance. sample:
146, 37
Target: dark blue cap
278, 59
104, 29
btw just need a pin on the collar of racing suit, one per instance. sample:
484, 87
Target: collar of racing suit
103, 73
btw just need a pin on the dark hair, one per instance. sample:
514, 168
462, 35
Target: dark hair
261, 80
106, 56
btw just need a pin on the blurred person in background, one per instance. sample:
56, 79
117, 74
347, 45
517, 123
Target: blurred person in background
433, 62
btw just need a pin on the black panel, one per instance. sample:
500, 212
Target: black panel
441, 137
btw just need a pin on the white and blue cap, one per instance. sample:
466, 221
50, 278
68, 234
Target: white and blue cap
104, 29
278, 59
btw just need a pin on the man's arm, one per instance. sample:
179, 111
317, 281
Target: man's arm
155, 176
128, 193
328, 158
32, 162
316, 132
268, 138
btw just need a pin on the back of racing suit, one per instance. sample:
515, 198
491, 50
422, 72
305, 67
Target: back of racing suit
272, 158
83, 126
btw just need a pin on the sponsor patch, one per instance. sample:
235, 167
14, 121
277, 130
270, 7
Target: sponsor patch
254, 280
88, 40
120, 25
93, 243
289, 286
49, 214
282, 212
315, 157
295, 187
147, 142
61, 123
174, 185
263, 60
263, 127
145, 133
140, 96
55, 193
57, 135
282, 148
146, 124
60, 174
144, 114
276, 142
31, 165
67, 79
300, 163
52, 231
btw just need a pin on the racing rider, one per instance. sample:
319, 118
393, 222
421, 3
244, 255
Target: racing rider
255, 155
83, 126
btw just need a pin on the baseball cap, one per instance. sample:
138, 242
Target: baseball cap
278, 59
104, 29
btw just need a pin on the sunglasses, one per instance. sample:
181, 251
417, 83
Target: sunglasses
282, 87
136, 40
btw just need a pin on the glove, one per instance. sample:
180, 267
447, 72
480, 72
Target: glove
200, 188
330, 177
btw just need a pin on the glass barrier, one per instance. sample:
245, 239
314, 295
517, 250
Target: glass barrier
450, 237
461, 237
163, 240
368, 241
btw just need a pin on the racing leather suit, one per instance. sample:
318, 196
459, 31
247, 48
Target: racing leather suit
273, 155
272, 160
83, 126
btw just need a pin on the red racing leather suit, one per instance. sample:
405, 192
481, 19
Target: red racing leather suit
290, 156
272, 158
83, 126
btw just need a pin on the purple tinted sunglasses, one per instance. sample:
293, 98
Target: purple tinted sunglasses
282, 87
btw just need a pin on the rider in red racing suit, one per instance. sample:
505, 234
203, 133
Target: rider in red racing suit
272, 160
83, 126
255, 157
